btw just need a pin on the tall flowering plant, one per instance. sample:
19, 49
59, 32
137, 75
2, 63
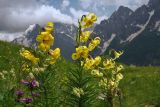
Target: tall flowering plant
109, 75
35, 71
80, 89
89, 69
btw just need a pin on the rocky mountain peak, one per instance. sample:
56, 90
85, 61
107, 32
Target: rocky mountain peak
122, 9
122, 12
32, 31
31, 28
154, 3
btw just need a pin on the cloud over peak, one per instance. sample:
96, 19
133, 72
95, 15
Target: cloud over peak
17, 15
17, 18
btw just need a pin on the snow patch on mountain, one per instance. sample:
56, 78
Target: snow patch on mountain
159, 29
30, 29
69, 36
107, 43
130, 13
157, 25
142, 28
63, 33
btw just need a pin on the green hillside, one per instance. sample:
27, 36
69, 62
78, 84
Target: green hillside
140, 86
9, 55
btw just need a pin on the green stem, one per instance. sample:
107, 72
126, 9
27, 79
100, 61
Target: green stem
46, 96
80, 70
78, 34
120, 101
80, 104
110, 100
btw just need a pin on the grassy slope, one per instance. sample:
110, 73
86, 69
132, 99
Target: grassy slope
9, 54
140, 86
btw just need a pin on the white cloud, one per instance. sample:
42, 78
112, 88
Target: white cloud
65, 4
90, 3
86, 3
9, 36
133, 4
41, 15
45, 13
101, 18
18, 20
76, 14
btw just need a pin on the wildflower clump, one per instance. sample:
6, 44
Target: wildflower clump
36, 68
30, 84
109, 82
90, 77
106, 71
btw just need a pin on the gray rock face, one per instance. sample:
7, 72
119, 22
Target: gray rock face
29, 36
131, 30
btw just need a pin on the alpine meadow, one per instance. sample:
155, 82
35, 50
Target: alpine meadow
80, 53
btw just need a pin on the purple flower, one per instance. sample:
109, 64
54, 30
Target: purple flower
19, 93
26, 100
35, 83
35, 94
25, 82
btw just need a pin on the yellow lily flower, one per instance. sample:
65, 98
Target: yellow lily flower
97, 40
88, 20
96, 73
119, 76
85, 36
75, 56
25, 67
49, 27
46, 40
94, 43
28, 55
78, 91
89, 63
109, 64
119, 68
81, 51
103, 82
117, 54
55, 54
111, 83
97, 60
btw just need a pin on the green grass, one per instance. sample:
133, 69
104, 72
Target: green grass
140, 86
9, 55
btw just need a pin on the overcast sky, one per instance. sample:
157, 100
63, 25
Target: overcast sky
17, 15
